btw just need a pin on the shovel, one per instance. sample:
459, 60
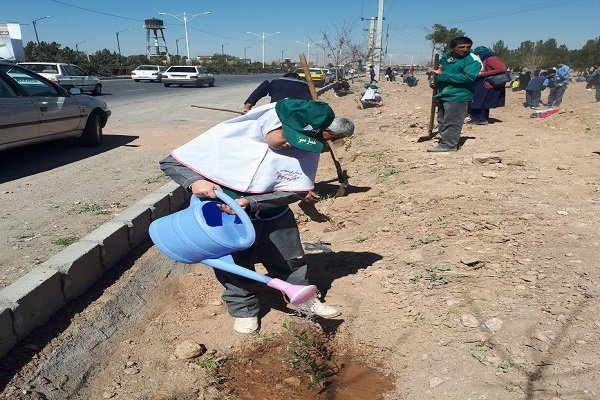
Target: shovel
430, 133
342, 176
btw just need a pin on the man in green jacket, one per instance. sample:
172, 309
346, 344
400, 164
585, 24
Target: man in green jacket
457, 74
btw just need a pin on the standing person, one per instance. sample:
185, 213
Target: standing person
457, 73
487, 95
559, 84
524, 78
372, 75
594, 79
388, 73
533, 93
288, 86
265, 160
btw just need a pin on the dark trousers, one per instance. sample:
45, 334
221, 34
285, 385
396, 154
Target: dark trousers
279, 249
533, 98
451, 117
556, 95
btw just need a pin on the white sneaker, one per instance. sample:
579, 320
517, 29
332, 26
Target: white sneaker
322, 310
246, 325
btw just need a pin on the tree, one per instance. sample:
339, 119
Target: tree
338, 45
441, 36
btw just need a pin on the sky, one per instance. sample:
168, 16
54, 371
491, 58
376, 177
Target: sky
92, 25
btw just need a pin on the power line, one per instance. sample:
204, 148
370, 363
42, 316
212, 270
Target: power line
97, 12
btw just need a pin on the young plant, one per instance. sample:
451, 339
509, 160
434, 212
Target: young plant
308, 353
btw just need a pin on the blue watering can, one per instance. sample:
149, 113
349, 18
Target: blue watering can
203, 233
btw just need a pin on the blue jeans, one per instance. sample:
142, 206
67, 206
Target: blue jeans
451, 117
556, 95
533, 98
598, 93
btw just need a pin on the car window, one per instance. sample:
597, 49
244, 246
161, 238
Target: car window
31, 83
6, 90
78, 71
162, 69
202, 70
182, 69
147, 68
43, 68
67, 70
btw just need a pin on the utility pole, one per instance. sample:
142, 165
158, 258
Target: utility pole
245, 59
379, 41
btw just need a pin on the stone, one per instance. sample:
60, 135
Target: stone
469, 321
435, 382
592, 292
487, 158
189, 349
489, 174
493, 324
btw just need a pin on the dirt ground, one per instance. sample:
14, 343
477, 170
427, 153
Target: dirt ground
457, 279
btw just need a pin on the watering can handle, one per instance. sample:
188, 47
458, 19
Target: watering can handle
239, 211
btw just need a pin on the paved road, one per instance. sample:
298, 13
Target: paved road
125, 91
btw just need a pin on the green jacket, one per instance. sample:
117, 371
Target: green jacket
457, 81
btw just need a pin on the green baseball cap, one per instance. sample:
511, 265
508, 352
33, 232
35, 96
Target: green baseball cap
303, 122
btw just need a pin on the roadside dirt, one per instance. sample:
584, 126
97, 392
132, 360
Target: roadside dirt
457, 279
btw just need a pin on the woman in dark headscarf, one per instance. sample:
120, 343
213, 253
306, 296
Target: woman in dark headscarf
486, 95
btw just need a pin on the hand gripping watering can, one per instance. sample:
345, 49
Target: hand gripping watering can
203, 233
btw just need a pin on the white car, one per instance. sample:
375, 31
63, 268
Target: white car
66, 75
188, 75
152, 73
33, 109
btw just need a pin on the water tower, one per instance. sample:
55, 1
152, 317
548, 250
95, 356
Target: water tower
156, 46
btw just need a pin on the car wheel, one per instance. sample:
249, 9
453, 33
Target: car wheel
136, 80
211, 83
166, 84
97, 90
92, 133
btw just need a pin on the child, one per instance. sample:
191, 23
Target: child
265, 159
533, 92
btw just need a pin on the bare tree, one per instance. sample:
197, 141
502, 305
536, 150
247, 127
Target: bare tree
338, 45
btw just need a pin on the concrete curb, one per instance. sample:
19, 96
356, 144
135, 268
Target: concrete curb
35, 297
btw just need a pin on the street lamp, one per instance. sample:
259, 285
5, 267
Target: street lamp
119, 44
245, 59
185, 18
307, 44
223, 48
35, 29
177, 44
282, 55
77, 46
263, 36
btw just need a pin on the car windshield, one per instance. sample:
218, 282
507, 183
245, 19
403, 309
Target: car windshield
43, 68
182, 69
202, 70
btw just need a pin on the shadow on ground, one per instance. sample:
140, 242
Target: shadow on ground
30, 160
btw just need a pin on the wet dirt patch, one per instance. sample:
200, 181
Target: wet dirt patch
302, 363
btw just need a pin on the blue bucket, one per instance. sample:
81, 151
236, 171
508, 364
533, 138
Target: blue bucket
202, 231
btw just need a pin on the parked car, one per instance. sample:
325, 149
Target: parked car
187, 75
152, 73
67, 76
34, 109
318, 75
